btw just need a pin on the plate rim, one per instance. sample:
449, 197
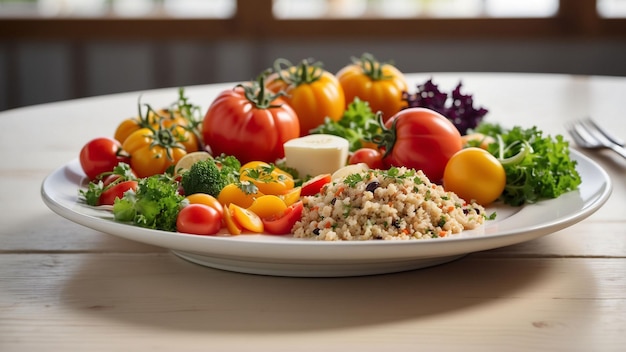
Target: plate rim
293, 250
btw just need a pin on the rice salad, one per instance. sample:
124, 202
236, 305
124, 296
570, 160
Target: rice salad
394, 204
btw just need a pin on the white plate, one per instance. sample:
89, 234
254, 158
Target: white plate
287, 256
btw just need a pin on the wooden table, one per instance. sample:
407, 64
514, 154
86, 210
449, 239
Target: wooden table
64, 287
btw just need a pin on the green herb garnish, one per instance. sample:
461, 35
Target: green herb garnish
358, 124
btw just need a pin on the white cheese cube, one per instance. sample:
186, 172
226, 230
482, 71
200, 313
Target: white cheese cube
316, 154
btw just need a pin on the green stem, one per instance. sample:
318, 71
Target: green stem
371, 67
257, 94
304, 73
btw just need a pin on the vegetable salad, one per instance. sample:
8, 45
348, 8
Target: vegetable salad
207, 172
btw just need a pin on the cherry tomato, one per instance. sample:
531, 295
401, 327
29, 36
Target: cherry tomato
198, 219
180, 117
117, 190
283, 224
128, 174
291, 196
422, 139
245, 218
269, 179
370, 156
206, 199
311, 91
314, 185
234, 193
233, 227
152, 151
474, 174
101, 155
380, 84
268, 206
249, 123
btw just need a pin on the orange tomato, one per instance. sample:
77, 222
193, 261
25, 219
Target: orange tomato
311, 91
245, 218
152, 151
380, 84
233, 227
179, 119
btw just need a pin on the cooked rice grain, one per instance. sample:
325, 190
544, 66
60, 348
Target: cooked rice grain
394, 204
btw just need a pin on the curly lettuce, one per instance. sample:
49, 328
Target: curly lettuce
537, 166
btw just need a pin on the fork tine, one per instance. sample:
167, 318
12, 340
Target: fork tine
572, 128
585, 135
576, 137
582, 130
604, 132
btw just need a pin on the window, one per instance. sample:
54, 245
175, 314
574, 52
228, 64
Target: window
118, 8
611, 8
293, 9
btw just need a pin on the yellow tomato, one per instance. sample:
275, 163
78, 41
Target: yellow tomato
187, 138
126, 128
152, 151
311, 91
233, 194
179, 119
292, 196
474, 174
268, 178
379, 84
245, 218
268, 206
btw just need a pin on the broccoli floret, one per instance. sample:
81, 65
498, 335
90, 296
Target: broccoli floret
154, 205
204, 176
229, 167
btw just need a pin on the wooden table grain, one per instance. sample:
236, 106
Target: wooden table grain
64, 287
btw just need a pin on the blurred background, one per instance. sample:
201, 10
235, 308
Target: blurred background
53, 50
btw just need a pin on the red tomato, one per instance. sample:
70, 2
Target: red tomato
116, 191
206, 199
249, 123
372, 157
420, 139
314, 185
113, 177
101, 155
199, 219
284, 224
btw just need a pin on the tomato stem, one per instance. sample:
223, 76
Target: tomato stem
371, 67
163, 137
257, 94
304, 73
143, 120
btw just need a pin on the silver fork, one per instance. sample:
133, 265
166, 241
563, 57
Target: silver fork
588, 134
